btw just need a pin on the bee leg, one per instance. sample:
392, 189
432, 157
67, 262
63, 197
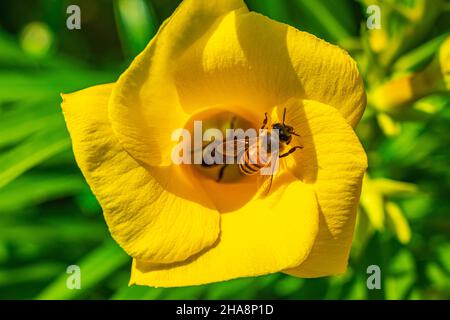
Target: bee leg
265, 121
292, 150
221, 172
233, 123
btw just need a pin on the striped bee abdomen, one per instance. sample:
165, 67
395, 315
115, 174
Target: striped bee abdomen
251, 165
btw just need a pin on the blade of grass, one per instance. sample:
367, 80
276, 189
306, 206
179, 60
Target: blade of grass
229, 289
189, 293
31, 152
33, 189
26, 119
137, 293
416, 58
137, 23
94, 267
40, 84
43, 232
274, 9
10, 52
322, 14
30, 273
343, 10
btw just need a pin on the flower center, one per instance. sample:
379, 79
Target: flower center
210, 131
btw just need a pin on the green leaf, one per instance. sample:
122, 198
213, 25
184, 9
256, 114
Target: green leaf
343, 11
340, 285
228, 289
48, 82
44, 232
137, 293
137, 23
275, 9
325, 17
355, 289
363, 232
10, 52
444, 256
95, 267
190, 293
418, 57
400, 275
438, 276
288, 286
27, 118
29, 273
33, 189
31, 152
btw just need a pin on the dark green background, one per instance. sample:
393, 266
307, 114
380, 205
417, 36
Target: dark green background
49, 219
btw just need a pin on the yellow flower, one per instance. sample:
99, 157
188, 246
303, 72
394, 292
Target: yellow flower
399, 93
183, 228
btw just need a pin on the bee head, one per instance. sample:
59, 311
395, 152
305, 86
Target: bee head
285, 132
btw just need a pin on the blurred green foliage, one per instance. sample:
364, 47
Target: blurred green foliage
49, 219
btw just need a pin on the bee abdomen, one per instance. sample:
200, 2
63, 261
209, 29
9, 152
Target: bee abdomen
249, 168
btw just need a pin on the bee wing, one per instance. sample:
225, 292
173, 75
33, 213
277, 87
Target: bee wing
235, 148
264, 184
266, 176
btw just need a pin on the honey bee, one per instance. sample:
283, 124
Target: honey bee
250, 160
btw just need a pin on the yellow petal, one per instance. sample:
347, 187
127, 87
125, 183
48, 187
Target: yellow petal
251, 61
215, 53
390, 187
144, 106
156, 214
398, 222
372, 201
265, 236
444, 62
333, 162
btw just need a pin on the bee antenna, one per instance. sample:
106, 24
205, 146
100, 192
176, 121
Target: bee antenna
284, 115
295, 134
